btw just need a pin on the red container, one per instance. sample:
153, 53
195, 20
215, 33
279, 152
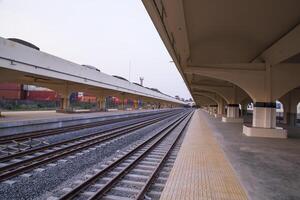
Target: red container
42, 95
10, 91
10, 86
86, 97
10, 94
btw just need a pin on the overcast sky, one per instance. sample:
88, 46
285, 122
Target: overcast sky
108, 34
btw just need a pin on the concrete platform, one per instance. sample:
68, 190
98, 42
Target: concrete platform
232, 120
216, 161
277, 132
218, 115
201, 170
23, 121
268, 168
18, 116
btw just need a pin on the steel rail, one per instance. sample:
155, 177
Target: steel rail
77, 190
45, 147
101, 192
144, 189
10, 171
47, 132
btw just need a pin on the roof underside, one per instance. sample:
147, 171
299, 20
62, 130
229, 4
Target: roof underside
213, 33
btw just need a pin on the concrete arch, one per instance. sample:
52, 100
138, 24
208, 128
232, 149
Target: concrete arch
249, 81
246, 101
212, 99
218, 99
210, 95
285, 78
289, 102
216, 90
203, 100
231, 93
265, 70
262, 82
244, 110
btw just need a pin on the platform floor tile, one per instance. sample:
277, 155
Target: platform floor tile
201, 170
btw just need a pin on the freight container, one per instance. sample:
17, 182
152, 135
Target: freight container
10, 94
42, 95
10, 91
10, 86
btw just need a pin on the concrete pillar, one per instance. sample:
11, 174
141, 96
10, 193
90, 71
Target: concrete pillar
65, 91
264, 115
65, 103
291, 118
290, 102
244, 109
100, 100
233, 114
233, 111
220, 111
213, 109
209, 110
290, 115
135, 104
122, 101
142, 103
264, 122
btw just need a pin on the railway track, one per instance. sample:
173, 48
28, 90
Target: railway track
68, 141
48, 132
22, 162
130, 175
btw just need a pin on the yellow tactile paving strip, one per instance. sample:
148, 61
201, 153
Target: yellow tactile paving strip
201, 170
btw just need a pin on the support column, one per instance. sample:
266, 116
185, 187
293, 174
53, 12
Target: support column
290, 114
101, 103
122, 100
244, 109
65, 103
206, 108
291, 117
220, 110
233, 110
213, 109
264, 115
141, 104
209, 110
65, 91
264, 122
233, 114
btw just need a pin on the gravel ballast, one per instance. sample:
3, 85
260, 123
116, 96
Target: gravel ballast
50, 179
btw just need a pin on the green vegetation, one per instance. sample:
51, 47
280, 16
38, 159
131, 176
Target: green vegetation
19, 105
22, 105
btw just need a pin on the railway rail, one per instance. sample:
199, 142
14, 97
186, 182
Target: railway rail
137, 167
48, 132
22, 162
